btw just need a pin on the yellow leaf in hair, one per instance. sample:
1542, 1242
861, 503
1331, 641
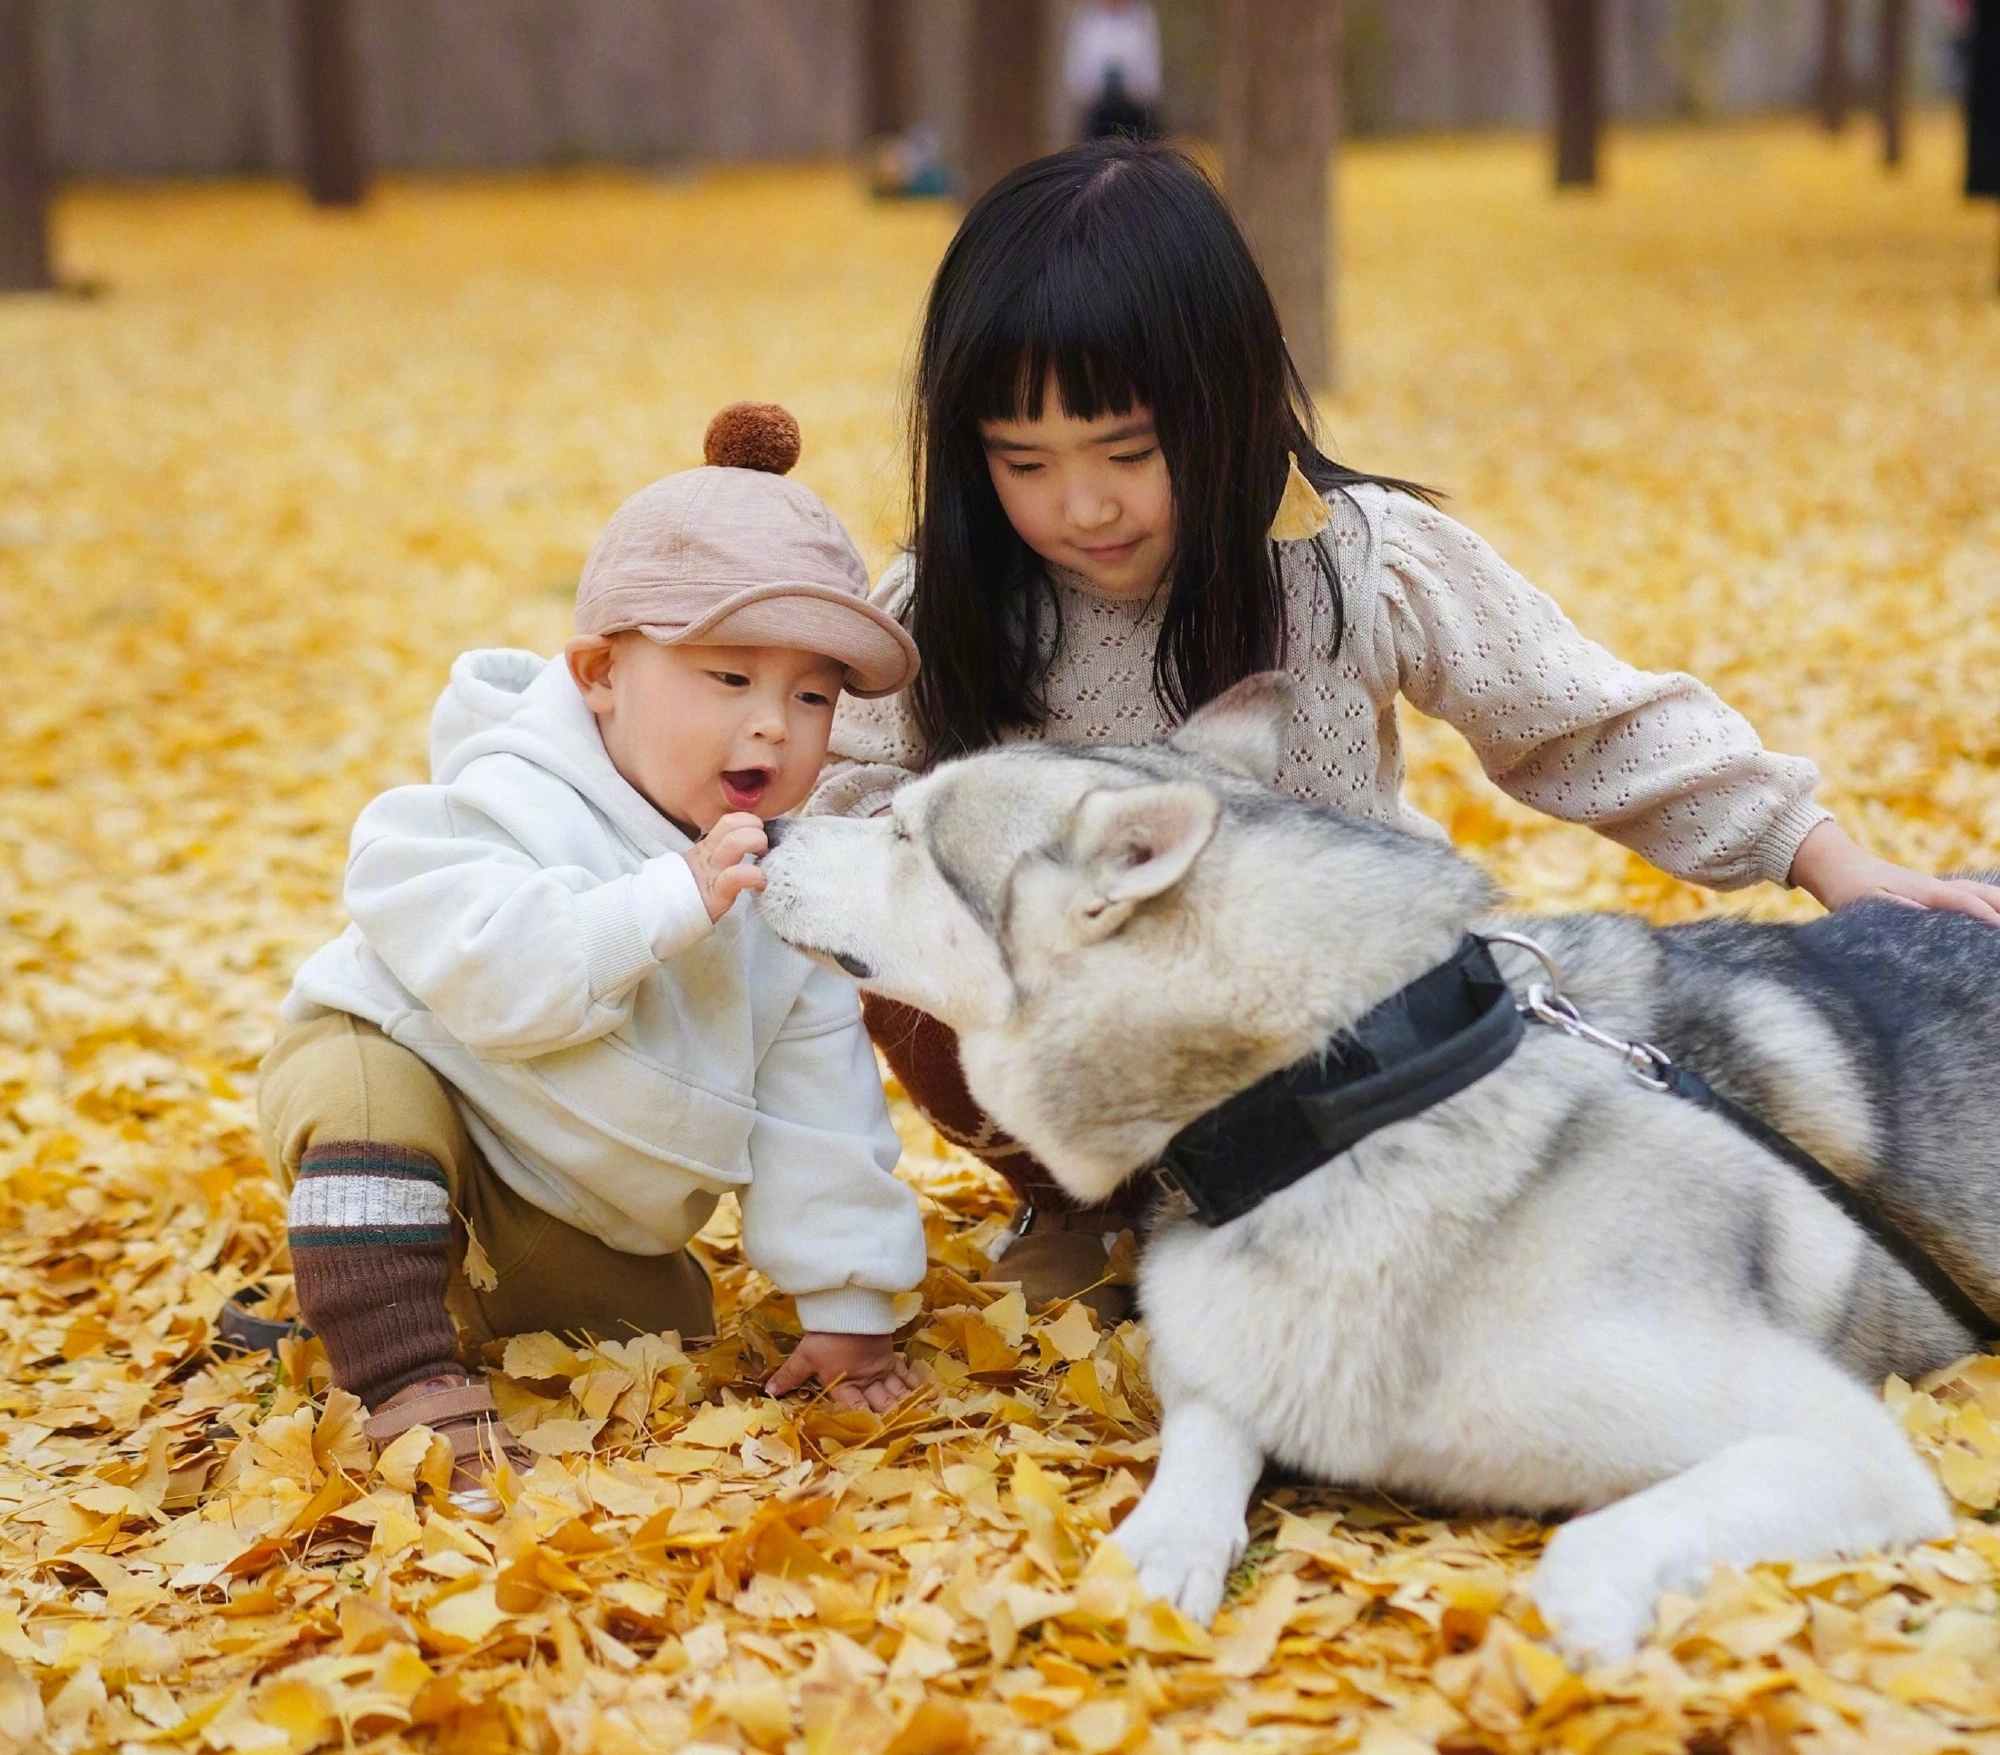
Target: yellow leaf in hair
1301, 513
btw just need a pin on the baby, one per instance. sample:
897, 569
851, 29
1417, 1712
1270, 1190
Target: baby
554, 1034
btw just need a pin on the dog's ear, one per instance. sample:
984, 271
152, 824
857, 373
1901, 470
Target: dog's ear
1243, 727
1132, 843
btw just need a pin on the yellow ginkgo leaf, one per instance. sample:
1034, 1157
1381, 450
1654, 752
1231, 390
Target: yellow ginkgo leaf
1301, 512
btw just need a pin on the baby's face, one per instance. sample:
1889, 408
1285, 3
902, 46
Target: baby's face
706, 730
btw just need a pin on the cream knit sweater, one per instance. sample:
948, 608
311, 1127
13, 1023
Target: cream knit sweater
1656, 762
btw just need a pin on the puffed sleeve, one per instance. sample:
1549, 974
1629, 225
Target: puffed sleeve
1656, 761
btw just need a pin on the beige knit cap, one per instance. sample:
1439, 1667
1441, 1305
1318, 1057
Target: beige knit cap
733, 554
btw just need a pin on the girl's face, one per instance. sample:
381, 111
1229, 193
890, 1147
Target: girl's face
1089, 495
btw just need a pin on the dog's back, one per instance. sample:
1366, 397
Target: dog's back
1871, 1037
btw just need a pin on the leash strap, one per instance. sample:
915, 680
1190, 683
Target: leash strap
1655, 1069
1856, 1203
1426, 1042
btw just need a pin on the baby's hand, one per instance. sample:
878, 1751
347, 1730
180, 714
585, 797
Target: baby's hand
717, 860
860, 1371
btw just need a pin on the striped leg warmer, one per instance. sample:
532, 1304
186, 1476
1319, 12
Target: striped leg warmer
370, 1229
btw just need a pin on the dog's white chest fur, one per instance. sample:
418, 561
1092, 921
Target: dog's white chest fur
1240, 1317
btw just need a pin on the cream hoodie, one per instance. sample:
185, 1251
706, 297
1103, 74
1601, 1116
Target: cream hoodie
527, 925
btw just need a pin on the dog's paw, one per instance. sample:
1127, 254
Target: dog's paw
1180, 1560
1598, 1604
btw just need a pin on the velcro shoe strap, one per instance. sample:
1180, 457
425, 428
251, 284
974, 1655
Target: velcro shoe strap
477, 1439
472, 1401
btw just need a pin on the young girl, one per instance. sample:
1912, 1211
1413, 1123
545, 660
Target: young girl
1105, 427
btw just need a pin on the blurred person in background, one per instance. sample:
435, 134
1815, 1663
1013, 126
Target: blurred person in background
1111, 68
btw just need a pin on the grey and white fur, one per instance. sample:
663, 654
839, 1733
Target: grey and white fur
1556, 1292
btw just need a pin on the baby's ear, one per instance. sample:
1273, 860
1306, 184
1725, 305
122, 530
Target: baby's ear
589, 660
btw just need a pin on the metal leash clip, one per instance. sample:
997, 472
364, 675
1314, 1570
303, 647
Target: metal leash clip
1546, 1003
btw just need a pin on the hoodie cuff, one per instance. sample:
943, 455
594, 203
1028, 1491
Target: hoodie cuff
671, 912
851, 1310
1779, 844
616, 950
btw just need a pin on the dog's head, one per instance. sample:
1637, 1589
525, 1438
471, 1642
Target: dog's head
1120, 937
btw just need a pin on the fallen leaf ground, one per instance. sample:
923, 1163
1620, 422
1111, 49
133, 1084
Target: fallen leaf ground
1741, 412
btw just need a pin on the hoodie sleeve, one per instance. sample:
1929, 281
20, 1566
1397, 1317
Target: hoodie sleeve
513, 956
824, 1214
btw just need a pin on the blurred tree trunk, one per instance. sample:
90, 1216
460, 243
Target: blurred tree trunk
1892, 70
1005, 125
885, 62
1836, 82
1982, 102
1279, 110
24, 177
332, 161
1576, 28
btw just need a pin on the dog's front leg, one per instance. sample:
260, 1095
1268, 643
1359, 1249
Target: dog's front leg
1848, 1490
1189, 1529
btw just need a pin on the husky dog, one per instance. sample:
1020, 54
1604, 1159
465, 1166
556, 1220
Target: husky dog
1556, 1291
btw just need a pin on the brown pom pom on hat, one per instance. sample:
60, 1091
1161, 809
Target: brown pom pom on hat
734, 554
752, 435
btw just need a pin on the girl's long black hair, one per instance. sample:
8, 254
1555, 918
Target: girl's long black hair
1115, 266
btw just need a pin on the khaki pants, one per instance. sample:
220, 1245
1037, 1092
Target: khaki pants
338, 1078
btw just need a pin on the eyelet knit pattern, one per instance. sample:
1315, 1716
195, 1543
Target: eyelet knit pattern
1656, 761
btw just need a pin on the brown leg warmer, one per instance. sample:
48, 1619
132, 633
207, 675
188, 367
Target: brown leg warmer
923, 1054
370, 1229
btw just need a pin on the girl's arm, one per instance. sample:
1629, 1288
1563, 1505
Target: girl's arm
1656, 761
875, 745
874, 749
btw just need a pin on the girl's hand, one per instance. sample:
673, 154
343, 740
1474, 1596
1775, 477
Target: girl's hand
859, 1371
1830, 866
717, 860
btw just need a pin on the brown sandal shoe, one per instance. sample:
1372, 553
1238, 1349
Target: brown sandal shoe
1066, 1255
465, 1416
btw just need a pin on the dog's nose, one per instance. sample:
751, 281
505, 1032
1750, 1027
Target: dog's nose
774, 830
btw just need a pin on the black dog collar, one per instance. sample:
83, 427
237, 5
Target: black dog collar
1449, 1028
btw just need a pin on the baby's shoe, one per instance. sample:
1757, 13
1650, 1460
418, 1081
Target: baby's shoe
463, 1413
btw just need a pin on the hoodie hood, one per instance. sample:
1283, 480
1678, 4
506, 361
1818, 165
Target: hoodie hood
504, 702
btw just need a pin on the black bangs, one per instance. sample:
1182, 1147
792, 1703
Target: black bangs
1071, 322
1116, 269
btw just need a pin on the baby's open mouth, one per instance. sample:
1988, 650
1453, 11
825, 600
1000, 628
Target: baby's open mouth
742, 787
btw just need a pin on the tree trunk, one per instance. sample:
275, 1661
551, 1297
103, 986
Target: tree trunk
885, 64
1279, 110
1576, 28
1982, 103
1892, 66
332, 160
1836, 81
24, 178
1005, 125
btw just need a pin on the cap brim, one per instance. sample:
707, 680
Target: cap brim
878, 656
